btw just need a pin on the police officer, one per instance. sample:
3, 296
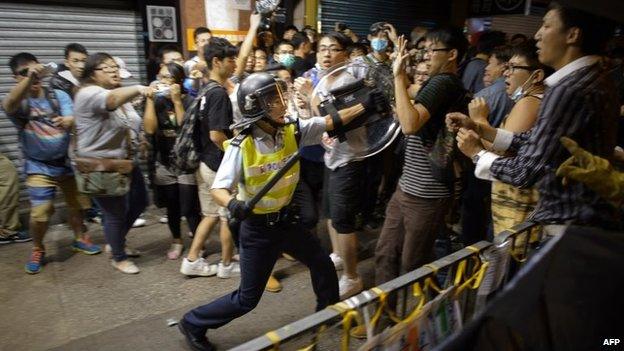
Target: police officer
267, 140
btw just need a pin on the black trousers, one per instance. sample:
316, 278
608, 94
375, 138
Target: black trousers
260, 246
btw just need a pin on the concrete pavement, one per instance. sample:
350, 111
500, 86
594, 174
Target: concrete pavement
80, 302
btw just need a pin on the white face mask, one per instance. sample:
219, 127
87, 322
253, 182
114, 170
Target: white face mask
520, 91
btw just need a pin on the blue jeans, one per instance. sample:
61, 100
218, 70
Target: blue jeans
260, 246
120, 212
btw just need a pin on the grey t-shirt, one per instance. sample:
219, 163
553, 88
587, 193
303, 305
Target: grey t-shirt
102, 133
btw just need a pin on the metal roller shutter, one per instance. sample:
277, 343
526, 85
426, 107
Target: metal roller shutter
404, 15
44, 30
527, 25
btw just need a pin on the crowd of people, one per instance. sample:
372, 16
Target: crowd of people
504, 102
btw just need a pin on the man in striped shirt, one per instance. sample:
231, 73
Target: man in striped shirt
580, 102
415, 213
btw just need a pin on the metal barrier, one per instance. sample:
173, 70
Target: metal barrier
464, 268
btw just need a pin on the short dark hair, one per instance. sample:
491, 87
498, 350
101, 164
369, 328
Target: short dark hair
176, 71
595, 30
21, 59
200, 30
519, 36
284, 42
93, 61
289, 27
528, 51
452, 38
357, 46
503, 53
167, 49
342, 40
490, 40
75, 47
377, 27
219, 48
299, 39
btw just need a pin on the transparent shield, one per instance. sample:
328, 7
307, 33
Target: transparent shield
370, 138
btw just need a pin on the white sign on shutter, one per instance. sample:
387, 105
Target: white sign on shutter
161, 24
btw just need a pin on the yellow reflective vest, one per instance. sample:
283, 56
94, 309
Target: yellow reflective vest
259, 168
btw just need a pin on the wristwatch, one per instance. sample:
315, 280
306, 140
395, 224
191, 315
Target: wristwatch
475, 158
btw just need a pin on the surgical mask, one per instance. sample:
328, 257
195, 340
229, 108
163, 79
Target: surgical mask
287, 60
379, 45
520, 91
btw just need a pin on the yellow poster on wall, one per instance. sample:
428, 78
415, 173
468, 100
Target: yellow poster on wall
234, 36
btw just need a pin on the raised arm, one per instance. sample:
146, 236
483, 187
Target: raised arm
411, 117
247, 46
120, 96
12, 102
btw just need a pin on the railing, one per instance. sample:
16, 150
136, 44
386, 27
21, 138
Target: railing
402, 297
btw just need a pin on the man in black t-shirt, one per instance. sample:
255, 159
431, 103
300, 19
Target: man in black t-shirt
215, 118
303, 47
415, 213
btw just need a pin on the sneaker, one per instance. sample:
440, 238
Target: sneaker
273, 285
164, 219
126, 266
349, 287
337, 260
229, 271
21, 236
198, 267
139, 222
129, 251
175, 251
85, 246
33, 266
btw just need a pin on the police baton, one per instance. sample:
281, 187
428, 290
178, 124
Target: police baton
234, 223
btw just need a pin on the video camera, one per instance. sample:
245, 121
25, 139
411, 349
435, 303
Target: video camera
271, 12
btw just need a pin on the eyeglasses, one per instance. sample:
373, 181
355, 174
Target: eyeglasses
23, 72
330, 50
513, 68
108, 69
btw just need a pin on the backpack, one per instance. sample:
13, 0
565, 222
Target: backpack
184, 157
443, 152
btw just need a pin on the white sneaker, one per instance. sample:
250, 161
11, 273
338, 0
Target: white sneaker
229, 271
198, 267
337, 260
349, 287
139, 222
129, 251
164, 219
126, 266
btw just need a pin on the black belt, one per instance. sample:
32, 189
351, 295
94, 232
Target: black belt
271, 219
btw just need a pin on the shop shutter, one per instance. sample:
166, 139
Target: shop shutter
44, 30
513, 24
404, 15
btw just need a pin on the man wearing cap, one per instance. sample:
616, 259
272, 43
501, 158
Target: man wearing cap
267, 140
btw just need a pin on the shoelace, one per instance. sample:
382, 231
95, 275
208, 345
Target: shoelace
86, 240
36, 256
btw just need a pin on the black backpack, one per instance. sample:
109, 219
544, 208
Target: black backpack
443, 151
184, 157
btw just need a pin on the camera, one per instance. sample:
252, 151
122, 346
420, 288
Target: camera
271, 12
